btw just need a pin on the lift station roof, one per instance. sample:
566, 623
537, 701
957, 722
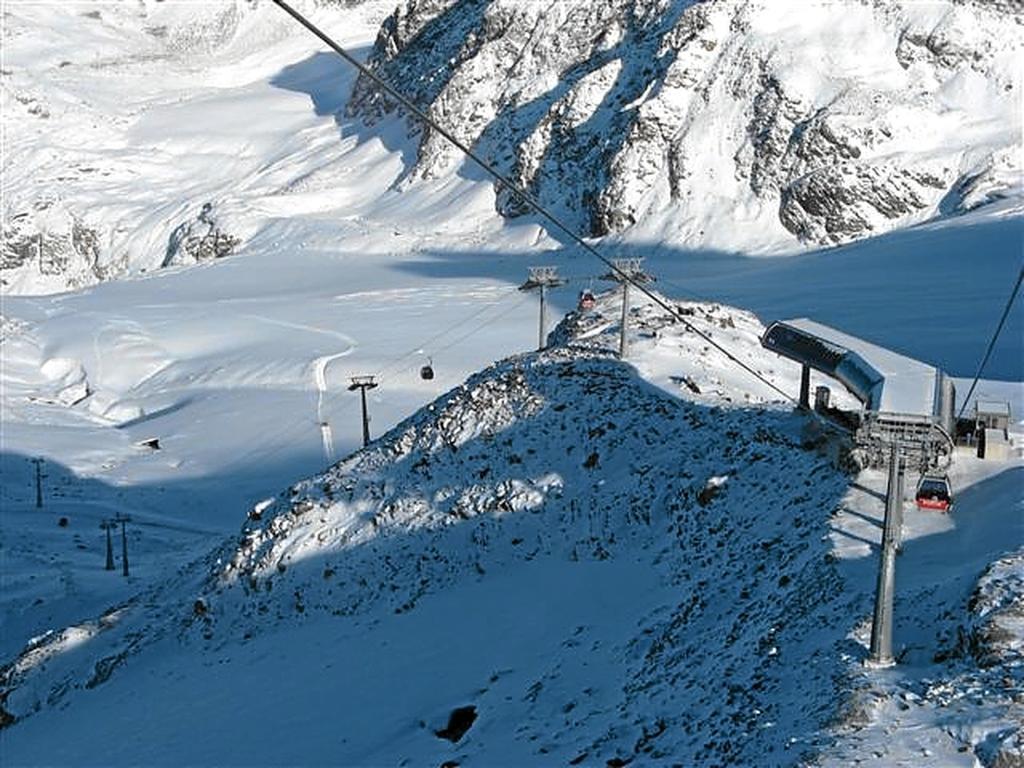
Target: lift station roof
882, 379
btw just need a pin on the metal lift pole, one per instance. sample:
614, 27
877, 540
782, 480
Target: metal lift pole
899, 503
881, 626
542, 278
107, 525
39, 482
623, 344
366, 418
628, 271
123, 519
363, 383
543, 319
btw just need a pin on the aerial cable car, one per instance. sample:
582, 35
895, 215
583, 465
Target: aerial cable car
934, 492
586, 301
427, 371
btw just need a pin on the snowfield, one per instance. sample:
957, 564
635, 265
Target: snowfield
561, 546
585, 560
143, 136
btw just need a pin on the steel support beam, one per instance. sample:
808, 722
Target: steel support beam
881, 626
805, 387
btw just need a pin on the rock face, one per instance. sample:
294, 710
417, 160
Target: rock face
731, 124
563, 461
199, 239
54, 239
823, 123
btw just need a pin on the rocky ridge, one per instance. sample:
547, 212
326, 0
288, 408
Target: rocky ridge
620, 111
562, 458
711, 508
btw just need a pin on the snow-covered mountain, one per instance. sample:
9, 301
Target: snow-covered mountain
141, 135
581, 559
680, 532
746, 124
557, 561
144, 135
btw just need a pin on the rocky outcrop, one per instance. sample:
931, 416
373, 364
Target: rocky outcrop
997, 608
199, 239
53, 240
838, 203
615, 112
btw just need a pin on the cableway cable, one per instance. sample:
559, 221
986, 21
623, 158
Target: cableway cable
992, 343
521, 193
441, 334
478, 328
300, 430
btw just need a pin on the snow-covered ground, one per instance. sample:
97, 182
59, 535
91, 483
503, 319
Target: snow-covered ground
234, 364
558, 545
955, 693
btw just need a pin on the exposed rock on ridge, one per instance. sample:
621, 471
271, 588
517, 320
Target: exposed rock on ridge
565, 460
55, 239
826, 128
199, 239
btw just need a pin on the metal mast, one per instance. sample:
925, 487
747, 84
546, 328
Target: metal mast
627, 271
881, 626
363, 383
542, 278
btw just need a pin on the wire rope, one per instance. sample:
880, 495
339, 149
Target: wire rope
458, 324
473, 331
302, 429
992, 342
521, 193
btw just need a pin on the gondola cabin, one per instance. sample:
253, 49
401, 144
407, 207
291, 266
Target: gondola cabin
427, 372
934, 492
586, 302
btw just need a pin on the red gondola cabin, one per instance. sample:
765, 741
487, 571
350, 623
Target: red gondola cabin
933, 492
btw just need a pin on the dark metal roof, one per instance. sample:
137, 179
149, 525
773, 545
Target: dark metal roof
830, 358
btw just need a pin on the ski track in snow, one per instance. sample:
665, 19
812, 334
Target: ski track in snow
562, 656
320, 381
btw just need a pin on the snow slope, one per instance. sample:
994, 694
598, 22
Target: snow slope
235, 364
603, 569
588, 548
955, 697
154, 134
737, 124
143, 136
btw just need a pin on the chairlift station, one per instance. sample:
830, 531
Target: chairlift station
904, 401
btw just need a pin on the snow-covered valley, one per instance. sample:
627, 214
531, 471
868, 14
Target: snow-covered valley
652, 561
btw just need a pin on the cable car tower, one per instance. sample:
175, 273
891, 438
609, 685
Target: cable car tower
363, 383
542, 278
626, 272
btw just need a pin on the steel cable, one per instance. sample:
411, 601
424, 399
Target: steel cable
521, 193
992, 342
